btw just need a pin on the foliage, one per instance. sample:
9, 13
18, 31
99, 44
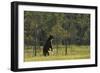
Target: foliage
74, 27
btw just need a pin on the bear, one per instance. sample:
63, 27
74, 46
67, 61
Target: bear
47, 46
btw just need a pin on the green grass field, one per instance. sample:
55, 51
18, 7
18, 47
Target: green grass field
73, 52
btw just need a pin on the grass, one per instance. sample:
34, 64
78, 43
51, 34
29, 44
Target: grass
73, 52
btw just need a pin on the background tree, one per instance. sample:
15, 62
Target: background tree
67, 28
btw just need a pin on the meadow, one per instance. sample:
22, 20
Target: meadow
68, 29
72, 52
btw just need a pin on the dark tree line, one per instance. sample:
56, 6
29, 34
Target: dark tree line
73, 28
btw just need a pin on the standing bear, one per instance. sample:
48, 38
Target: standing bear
47, 46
